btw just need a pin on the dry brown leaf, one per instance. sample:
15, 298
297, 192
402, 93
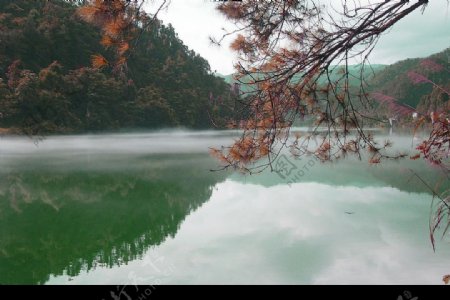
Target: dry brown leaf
98, 61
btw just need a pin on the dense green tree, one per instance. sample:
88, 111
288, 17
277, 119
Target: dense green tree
152, 110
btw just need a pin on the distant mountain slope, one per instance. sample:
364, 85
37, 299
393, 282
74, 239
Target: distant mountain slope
354, 70
393, 81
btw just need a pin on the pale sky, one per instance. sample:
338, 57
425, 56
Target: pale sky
416, 35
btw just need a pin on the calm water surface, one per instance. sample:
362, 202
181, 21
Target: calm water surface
145, 208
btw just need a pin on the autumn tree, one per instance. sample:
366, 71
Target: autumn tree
294, 58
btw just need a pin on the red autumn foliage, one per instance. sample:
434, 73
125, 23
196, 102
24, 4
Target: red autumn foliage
119, 21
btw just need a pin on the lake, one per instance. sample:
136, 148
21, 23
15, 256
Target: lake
146, 208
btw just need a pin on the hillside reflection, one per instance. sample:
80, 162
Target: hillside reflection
61, 220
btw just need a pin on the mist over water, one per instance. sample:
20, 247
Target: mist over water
100, 150
145, 208
129, 143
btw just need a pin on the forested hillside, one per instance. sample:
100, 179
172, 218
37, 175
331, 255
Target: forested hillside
47, 84
425, 97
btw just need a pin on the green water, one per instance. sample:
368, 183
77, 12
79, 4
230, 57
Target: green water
145, 208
